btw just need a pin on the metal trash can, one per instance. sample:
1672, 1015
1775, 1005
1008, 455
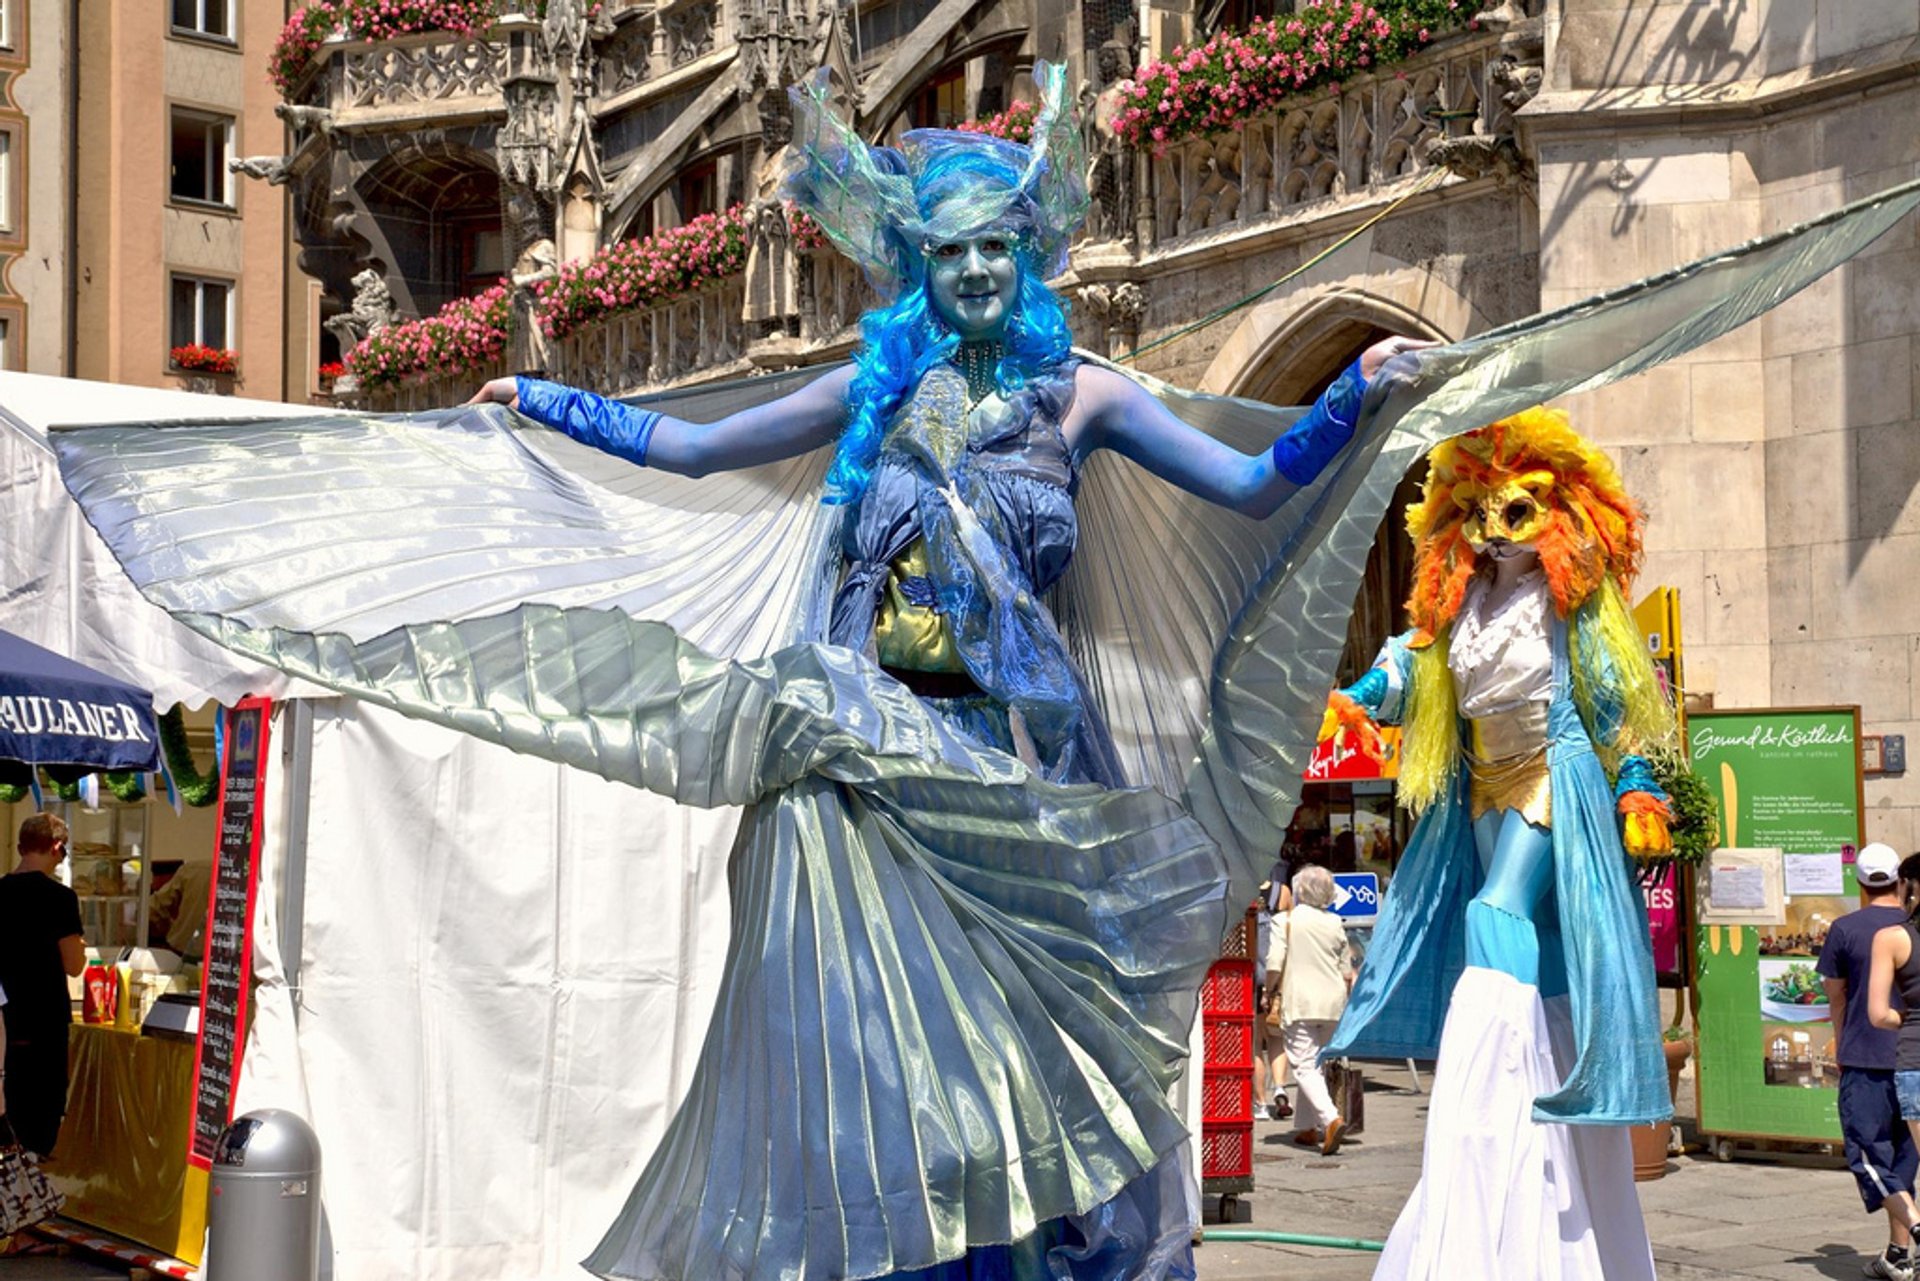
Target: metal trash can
263, 1206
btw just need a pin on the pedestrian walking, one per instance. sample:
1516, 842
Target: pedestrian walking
1269, 1061
40, 947
1880, 1151
1309, 969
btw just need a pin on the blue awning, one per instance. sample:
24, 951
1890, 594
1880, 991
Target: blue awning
53, 711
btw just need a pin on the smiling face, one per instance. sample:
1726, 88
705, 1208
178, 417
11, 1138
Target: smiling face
972, 282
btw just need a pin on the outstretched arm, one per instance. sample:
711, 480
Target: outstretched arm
1891, 948
794, 424
1113, 412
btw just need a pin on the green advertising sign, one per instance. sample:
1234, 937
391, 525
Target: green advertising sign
1786, 779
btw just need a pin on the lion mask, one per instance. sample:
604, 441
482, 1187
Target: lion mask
1532, 481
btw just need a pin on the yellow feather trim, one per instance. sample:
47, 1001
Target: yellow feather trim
1646, 714
1430, 749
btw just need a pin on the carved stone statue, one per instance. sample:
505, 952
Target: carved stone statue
273, 168
526, 341
1119, 307
300, 118
1109, 160
772, 281
372, 311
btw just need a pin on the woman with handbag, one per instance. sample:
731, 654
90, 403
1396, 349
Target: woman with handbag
1309, 968
1269, 1062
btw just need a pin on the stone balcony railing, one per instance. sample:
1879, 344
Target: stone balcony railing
442, 72
694, 338
1319, 148
665, 37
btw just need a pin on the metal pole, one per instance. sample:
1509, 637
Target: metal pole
297, 758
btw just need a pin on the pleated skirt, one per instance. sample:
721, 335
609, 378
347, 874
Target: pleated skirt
943, 1044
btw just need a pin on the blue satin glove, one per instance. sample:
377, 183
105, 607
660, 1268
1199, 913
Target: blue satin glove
608, 425
1371, 690
1636, 775
1323, 431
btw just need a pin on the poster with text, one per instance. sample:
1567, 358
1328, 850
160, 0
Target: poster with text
1785, 778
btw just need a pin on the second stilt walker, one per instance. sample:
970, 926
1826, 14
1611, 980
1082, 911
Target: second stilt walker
1514, 943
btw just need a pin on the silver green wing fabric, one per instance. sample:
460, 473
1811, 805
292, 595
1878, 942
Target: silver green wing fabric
353, 525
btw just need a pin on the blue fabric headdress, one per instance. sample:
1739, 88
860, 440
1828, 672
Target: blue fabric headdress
882, 207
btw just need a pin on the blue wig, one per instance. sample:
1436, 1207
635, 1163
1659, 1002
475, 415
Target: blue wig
905, 338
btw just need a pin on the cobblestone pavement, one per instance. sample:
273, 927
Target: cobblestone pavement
1772, 1217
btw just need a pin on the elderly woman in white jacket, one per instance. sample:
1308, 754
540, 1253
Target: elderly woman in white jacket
1309, 969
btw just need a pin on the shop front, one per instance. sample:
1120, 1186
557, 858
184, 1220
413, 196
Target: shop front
142, 871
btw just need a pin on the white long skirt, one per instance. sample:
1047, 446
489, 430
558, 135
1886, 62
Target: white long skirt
1502, 1197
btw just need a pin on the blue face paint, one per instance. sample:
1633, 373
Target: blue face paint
973, 283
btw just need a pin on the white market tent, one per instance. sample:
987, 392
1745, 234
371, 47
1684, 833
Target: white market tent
483, 978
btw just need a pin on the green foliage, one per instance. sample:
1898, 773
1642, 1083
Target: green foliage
196, 789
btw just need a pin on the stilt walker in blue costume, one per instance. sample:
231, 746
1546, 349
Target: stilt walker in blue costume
1004, 710
986, 1093
1528, 699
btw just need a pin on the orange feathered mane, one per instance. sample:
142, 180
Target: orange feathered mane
1592, 529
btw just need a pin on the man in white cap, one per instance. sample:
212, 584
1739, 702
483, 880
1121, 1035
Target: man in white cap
1879, 1150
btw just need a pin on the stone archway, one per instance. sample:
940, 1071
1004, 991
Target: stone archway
1287, 350
433, 215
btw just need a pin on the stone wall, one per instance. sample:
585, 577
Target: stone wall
1778, 465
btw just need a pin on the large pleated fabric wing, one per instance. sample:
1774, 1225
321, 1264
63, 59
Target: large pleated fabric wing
955, 994
1210, 639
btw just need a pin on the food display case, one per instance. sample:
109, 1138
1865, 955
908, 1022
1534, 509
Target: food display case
107, 866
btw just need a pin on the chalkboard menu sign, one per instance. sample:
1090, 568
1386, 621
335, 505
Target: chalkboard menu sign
228, 966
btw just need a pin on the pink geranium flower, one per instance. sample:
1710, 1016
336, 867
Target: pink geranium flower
1214, 87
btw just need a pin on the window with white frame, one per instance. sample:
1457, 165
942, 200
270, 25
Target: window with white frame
7, 185
202, 312
6, 24
202, 17
201, 143
6, 343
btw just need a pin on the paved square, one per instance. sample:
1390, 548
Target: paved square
1773, 1217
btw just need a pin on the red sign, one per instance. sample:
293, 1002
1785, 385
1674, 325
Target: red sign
227, 971
1349, 763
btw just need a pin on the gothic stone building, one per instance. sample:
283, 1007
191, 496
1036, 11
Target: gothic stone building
1586, 144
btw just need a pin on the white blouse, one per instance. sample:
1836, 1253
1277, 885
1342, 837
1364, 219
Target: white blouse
1503, 658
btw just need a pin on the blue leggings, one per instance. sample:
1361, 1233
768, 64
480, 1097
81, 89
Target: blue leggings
1506, 919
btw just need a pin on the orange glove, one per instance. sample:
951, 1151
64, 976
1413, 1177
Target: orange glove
1346, 717
1644, 831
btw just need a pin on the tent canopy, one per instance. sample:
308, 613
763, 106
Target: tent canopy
54, 711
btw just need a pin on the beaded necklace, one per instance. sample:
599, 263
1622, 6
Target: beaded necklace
977, 363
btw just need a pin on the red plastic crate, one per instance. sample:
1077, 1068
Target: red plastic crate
1226, 1151
1228, 988
1229, 1039
1226, 1096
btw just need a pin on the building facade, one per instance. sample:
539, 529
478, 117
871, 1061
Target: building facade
129, 239
1547, 151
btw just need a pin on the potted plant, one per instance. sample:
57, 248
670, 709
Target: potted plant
1677, 1042
206, 368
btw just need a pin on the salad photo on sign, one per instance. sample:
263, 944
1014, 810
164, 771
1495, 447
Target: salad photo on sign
1796, 1039
1791, 991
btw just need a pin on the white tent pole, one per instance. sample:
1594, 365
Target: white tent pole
296, 758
